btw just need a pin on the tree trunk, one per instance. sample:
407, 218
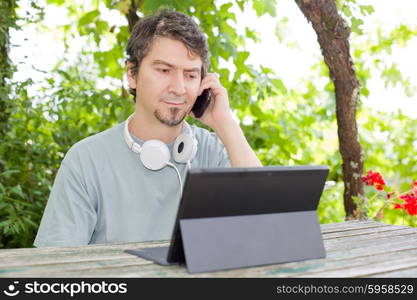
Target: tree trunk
333, 34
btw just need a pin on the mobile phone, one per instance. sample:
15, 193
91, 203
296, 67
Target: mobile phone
201, 103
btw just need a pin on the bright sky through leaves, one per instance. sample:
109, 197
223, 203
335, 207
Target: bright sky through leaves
291, 58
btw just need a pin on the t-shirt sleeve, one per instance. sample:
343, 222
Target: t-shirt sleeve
70, 215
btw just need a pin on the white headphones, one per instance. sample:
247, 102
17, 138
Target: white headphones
155, 155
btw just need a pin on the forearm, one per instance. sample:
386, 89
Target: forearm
238, 148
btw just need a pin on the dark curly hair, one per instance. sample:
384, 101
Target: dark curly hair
166, 23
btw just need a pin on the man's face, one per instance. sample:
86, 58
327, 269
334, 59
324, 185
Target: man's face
167, 82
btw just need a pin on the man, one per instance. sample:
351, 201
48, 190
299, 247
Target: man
105, 191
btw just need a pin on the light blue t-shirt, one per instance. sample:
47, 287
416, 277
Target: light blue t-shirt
103, 194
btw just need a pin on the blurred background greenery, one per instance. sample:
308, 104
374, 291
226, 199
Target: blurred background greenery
84, 92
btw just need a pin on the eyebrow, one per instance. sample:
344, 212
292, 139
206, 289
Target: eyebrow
161, 62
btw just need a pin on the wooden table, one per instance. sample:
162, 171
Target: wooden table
354, 249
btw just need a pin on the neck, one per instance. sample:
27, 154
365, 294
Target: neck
148, 127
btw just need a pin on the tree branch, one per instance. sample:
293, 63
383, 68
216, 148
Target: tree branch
132, 16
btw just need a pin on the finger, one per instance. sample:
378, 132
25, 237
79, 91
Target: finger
211, 76
208, 84
214, 76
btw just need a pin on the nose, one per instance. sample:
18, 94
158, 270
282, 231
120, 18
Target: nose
177, 84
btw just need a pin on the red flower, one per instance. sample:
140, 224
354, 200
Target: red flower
398, 206
374, 179
409, 205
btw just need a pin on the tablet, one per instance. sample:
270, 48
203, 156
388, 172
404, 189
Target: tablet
231, 192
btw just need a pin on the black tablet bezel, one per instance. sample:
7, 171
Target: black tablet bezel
314, 188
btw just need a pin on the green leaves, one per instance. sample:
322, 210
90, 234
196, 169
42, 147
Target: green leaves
262, 7
240, 61
56, 2
17, 191
366, 9
90, 24
287, 125
355, 13
224, 9
88, 17
392, 75
8, 173
280, 86
356, 23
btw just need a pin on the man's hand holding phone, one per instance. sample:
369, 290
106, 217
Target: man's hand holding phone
216, 112
218, 116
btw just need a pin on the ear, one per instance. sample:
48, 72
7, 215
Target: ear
131, 78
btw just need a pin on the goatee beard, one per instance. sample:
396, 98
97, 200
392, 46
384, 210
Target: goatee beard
174, 118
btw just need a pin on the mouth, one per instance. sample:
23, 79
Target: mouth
174, 103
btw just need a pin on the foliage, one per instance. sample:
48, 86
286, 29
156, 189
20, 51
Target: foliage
285, 126
70, 106
40, 135
7, 21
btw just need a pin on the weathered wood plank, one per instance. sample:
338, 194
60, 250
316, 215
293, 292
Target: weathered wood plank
368, 247
354, 248
376, 236
365, 231
356, 267
64, 256
406, 272
79, 249
353, 225
350, 225
100, 253
67, 254
58, 260
58, 256
283, 270
62, 267
109, 254
122, 271
366, 270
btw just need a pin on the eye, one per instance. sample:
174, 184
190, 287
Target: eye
192, 76
163, 70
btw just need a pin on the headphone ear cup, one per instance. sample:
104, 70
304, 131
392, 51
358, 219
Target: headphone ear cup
154, 155
185, 148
